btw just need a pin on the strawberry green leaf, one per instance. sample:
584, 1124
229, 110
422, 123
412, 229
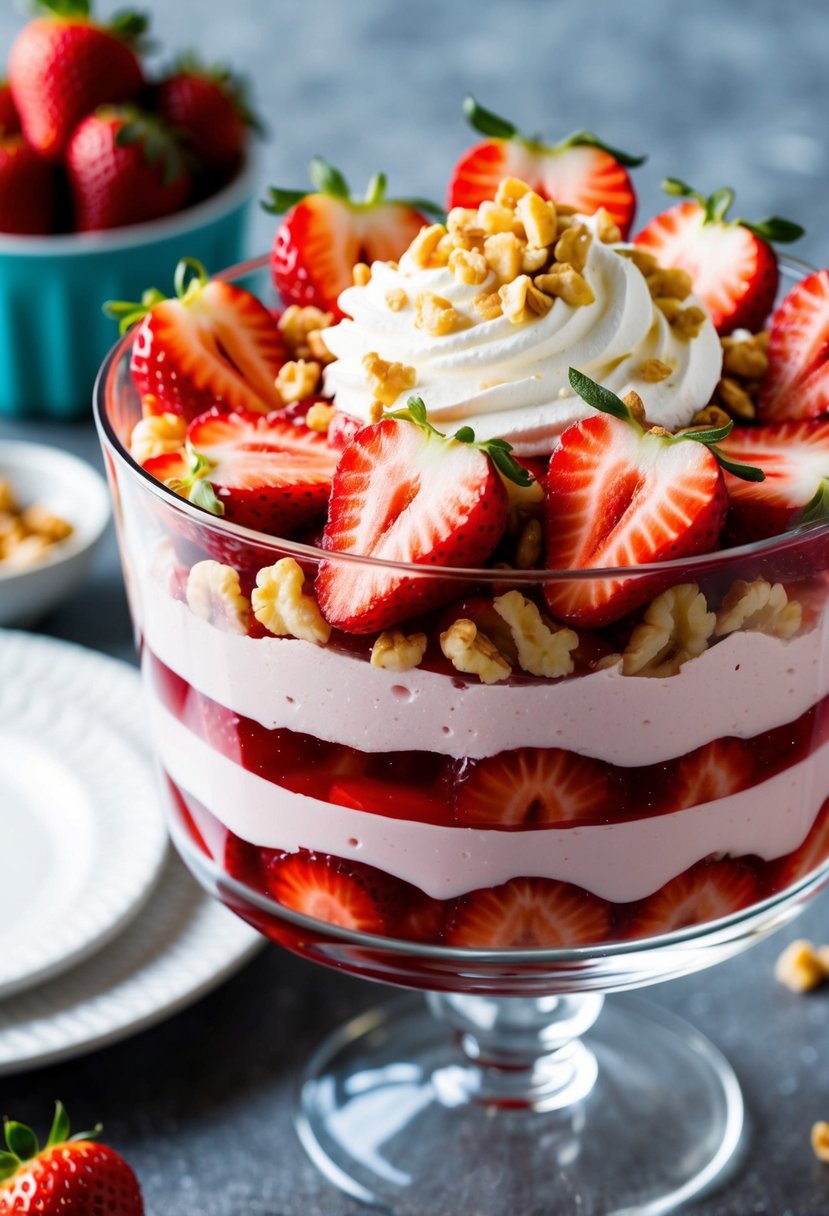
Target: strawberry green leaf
190, 276
376, 191
486, 122
203, 495
279, 201
21, 1140
817, 509
774, 229
128, 313
717, 205
599, 397
129, 26
586, 139
499, 452
80, 9
9, 1164
680, 189
746, 472
60, 1126
328, 180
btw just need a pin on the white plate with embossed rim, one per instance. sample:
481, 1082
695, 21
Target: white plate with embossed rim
82, 832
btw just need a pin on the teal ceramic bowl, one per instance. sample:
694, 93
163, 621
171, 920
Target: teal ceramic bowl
53, 334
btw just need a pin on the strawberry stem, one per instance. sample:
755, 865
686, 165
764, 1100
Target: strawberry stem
60, 1126
817, 509
716, 207
376, 191
498, 450
328, 180
496, 127
189, 279
195, 487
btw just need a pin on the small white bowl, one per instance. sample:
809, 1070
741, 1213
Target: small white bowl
70, 488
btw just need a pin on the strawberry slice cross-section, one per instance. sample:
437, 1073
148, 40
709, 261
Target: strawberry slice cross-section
213, 343
532, 786
796, 384
326, 888
706, 892
580, 171
403, 492
534, 913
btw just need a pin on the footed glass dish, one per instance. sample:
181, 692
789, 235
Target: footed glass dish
514, 850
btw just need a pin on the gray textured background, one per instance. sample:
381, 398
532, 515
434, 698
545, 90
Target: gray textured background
717, 92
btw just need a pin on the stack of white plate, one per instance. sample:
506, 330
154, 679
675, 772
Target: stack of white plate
102, 932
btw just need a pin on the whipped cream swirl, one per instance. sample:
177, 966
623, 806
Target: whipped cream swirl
511, 380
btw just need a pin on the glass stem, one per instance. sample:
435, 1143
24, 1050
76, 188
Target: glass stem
518, 1052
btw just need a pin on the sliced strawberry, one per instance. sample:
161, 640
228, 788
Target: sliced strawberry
532, 786
714, 771
324, 235
242, 861
731, 262
618, 495
536, 913
213, 344
795, 459
580, 171
342, 429
706, 892
796, 384
403, 492
390, 799
422, 920
330, 889
812, 854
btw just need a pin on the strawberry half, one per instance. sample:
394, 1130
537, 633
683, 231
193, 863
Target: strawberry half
323, 235
213, 344
403, 492
535, 913
327, 888
257, 470
795, 459
708, 891
69, 1174
796, 384
580, 171
731, 262
621, 495
532, 786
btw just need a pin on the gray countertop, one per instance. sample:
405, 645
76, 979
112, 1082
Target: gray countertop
715, 93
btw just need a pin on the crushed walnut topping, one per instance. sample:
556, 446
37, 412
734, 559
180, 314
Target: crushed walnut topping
387, 380
510, 190
317, 348
522, 301
394, 651
745, 358
820, 1140
488, 305
652, 371
424, 248
528, 549
319, 416
494, 219
27, 534
761, 607
573, 246
157, 435
297, 379
685, 322
564, 281
214, 594
471, 652
543, 650
468, 266
396, 299
538, 217
670, 284
280, 604
735, 399
676, 627
297, 324
800, 967
436, 315
607, 230
8, 498
706, 418
360, 274
503, 253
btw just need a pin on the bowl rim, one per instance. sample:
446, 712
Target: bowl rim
130, 236
704, 563
87, 529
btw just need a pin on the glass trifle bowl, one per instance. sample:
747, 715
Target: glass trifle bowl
514, 849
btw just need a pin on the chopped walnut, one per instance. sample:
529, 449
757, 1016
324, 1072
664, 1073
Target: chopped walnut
503, 253
8, 501
461, 219
676, 627
387, 380
396, 299
493, 219
319, 416
470, 651
673, 284
317, 348
644, 262
799, 967
745, 358
706, 418
533, 260
27, 534
820, 1140
564, 281
607, 229
156, 435
297, 323
685, 322
488, 305
214, 594
760, 607
573, 246
468, 266
37, 520
522, 502
27, 551
542, 651
636, 406
437, 316
423, 249
510, 190
538, 215
297, 379
522, 301
654, 370
528, 549
280, 604
360, 274
397, 652
734, 398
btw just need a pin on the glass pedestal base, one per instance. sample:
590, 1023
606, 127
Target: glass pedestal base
634, 1113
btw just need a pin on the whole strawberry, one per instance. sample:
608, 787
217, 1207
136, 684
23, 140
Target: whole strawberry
208, 107
9, 117
69, 1176
64, 65
124, 167
27, 189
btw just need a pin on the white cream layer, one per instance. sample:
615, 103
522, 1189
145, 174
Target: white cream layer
511, 380
619, 862
742, 686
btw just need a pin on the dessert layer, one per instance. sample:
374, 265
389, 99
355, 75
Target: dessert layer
747, 684
619, 862
511, 380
